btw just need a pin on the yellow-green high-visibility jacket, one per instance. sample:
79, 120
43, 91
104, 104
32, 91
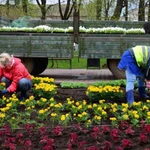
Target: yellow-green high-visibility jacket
142, 55
136, 59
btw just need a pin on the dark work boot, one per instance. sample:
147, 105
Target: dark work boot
142, 92
130, 96
22, 96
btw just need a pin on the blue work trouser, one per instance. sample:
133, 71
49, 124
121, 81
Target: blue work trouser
131, 78
24, 84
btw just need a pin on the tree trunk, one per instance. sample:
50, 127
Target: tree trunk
25, 6
118, 9
99, 9
7, 5
17, 2
126, 11
107, 5
67, 11
43, 8
141, 11
149, 10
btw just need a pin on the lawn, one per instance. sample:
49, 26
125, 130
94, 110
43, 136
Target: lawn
77, 63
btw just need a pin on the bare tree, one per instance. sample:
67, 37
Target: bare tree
118, 9
107, 6
148, 10
44, 8
126, 9
68, 9
25, 6
141, 11
99, 9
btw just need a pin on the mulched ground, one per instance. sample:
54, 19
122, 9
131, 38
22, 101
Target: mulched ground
80, 94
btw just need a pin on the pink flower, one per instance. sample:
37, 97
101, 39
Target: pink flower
69, 145
10, 139
29, 128
48, 147
12, 146
43, 130
1, 133
50, 142
119, 148
58, 130
126, 143
80, 144
107, 146
28, 143
73, 138
124, 124
7, 130
96, 132
130, 131
92, 148
146, 128
143, 138
95, 135
79, 128
115, 135
44, 139
19, 135
20, 138
96, 129
105, 129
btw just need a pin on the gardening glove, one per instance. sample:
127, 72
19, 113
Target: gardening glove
3, 92
148, 84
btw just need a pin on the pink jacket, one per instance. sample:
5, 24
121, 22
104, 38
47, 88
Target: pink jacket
17, 72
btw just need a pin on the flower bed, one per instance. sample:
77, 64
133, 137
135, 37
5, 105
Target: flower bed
72, 123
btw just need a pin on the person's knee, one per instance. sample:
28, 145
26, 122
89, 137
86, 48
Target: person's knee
24, 85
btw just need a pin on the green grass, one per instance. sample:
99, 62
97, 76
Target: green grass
77, 63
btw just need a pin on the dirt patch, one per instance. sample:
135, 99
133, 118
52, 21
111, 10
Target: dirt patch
80, 94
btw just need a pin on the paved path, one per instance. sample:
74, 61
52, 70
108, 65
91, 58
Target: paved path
78, 75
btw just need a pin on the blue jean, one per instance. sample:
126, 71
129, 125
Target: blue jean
131, 78
24, 84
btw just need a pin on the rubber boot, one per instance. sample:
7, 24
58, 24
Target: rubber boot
142, 92
130, 96
22, 96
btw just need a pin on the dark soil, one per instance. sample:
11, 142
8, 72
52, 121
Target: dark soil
80, 94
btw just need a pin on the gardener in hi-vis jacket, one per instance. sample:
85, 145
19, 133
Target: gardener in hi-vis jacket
136, 62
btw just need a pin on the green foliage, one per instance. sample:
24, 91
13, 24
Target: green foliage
120, 82
73, 85
76, 63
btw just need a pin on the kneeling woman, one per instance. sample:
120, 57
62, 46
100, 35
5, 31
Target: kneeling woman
15, 75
